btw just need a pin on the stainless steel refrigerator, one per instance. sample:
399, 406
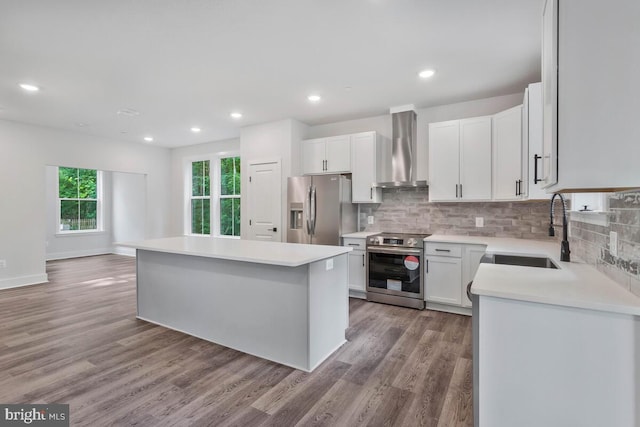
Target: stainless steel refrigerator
319, 209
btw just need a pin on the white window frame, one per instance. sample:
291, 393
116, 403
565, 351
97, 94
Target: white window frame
220, 196
215, 196
100, 198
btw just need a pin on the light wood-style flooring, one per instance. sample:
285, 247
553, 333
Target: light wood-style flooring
76, 340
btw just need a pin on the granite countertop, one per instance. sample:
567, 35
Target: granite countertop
573, 284
273, 253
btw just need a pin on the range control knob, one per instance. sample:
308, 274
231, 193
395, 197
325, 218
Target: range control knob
412, 242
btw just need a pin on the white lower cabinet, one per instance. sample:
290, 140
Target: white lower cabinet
443, 278
471, 261
449, 268
357, 266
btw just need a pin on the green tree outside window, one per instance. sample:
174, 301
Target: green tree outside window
78, 196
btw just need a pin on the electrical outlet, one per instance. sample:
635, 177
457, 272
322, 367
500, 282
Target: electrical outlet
3, 263
613, 243
329, 265
370, 219
479, 221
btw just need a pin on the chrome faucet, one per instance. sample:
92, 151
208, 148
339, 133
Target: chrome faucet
564, 246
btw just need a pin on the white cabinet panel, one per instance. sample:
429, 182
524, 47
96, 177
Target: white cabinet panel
460, 160
444, 160
365, 167
338, 154
532, 143
443, 279
475, 159
591, 60
470, 263
507, 154
313, 156
326, 155
550, 93
357, 270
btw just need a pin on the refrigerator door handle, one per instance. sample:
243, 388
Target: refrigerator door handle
313, 210
308, 203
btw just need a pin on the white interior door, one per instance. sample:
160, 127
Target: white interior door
264, 197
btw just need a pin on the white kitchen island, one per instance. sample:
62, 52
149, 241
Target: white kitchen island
284, 302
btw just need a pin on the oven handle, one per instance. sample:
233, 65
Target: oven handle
391, 251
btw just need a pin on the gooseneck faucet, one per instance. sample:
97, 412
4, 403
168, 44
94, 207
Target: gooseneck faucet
564, 246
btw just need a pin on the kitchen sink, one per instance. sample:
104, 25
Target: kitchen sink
525, 261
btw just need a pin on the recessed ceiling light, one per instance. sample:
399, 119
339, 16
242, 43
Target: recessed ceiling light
425, 74
236, 115
314, 98
29, 88
130, 112
195, 129
148, 138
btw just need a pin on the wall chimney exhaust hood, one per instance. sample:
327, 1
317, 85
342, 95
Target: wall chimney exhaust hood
403, 149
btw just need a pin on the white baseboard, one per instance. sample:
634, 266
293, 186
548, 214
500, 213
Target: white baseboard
15, 282
120, 250
78, 254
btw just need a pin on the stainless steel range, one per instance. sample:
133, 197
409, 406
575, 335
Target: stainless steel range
394, 269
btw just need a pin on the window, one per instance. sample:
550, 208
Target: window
224, 195
79, 199
230, 196
200, 198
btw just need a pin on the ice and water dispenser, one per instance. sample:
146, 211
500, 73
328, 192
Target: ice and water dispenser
295, 216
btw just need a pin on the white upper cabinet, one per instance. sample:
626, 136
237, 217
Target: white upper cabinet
338, 154
507, 154
444, 160
475, 158
460, 160
313, 156
366, 167
326, 155
591, 58
532, 143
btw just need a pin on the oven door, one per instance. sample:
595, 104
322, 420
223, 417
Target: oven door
395, 271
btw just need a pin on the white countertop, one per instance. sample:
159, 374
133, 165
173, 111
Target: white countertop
360, 234
574, 284
273, 253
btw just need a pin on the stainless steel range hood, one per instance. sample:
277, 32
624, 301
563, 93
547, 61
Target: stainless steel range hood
403, 152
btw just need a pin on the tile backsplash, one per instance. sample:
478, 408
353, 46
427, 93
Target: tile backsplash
592, 243
409, 210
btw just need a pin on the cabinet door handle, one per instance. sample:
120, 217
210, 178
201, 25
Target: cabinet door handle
427, 265
274, 229
443, 250
535, 169
469, 290
363, 260
456, 191
516, 187
371, 196
461, 191
354, 244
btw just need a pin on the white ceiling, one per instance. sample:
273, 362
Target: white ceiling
184, 63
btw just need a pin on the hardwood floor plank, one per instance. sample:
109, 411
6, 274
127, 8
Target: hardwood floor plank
457, 409
76, 340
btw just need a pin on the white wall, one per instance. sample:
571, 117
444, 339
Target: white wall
382, 124
180, 162
25, 150
271, 141
128, 209
59, 246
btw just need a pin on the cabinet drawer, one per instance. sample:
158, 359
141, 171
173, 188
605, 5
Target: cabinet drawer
443, 249
354, 243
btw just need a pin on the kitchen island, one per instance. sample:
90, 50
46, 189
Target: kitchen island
280, 301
